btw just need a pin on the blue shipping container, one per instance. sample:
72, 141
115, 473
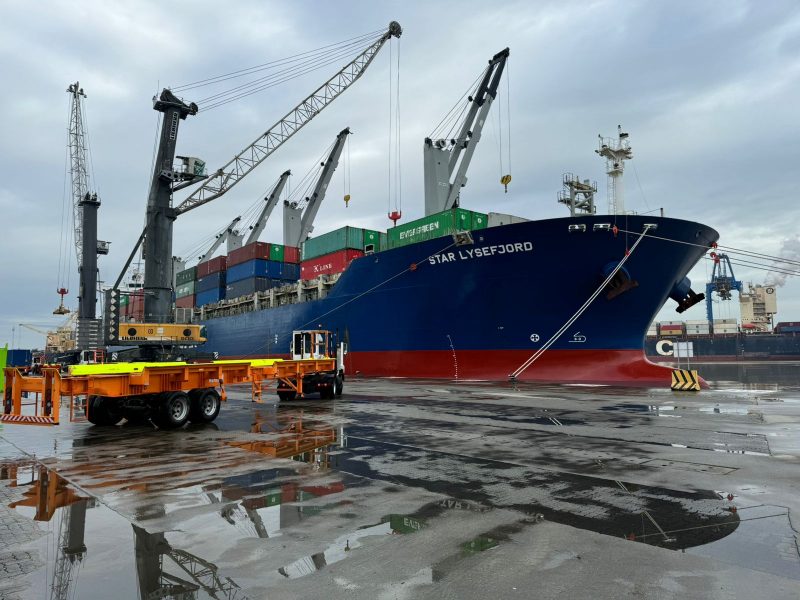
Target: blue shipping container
209, 296
262, 268
210, 282
19, 358
246, 287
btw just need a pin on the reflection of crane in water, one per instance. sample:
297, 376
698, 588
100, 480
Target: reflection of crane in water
47, 493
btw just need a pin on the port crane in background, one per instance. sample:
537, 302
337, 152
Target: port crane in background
723, 282
85, 205
157, 234
298, 217
271, 201
441, 156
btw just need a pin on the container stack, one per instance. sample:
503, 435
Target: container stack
699, 327
260, 266
670, 328
210, 284
435, 226
332, 252
185, 282
722, 326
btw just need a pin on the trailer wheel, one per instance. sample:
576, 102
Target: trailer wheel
103, 411
174, 410
287, 396
338, 385
205, 405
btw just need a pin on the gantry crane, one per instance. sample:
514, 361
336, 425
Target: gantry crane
157, 234
441, 156
723, 282
298, 217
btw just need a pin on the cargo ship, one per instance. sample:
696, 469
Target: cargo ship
460, 294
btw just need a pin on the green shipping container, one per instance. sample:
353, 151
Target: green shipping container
327, 243
432, 227
123, 299
184, 289
186, 276
479, 220
372, 238
276, 252
384, 241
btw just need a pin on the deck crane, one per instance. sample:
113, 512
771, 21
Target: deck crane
229, 235
723, 281
298, 217
441, 156
157, 234
271, 202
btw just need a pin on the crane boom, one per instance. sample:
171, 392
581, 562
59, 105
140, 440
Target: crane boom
77, 161
271, 202
254, 154
442, 156
298, 220
229, 230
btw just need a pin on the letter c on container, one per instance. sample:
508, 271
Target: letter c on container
661, 347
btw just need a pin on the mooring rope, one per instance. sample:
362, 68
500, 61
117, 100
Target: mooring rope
536, 355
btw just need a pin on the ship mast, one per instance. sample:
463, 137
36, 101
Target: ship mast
616, 152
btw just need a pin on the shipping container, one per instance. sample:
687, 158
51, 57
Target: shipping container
209, 296
276, 252
291, 254
494, 219
132, 306
328, 243
186, 275
724, 321
185, 301
210, 282
431, 227
384, 241
335, 262
246, 287
263, 268
703, 322
248, 252
479, 220
185, 289
372, 241
215, 265
17, 357
788, 327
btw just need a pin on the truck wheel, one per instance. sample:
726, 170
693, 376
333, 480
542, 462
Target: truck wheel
103, 411
205, 405
174, 410
338, 385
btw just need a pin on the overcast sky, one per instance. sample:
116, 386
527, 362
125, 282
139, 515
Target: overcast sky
707, 90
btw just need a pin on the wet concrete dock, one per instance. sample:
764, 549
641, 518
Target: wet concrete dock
417, 489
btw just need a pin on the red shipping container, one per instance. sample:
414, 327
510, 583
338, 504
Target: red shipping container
215, 265
185, 302
291, 254
248, 252
134, 309
336, 262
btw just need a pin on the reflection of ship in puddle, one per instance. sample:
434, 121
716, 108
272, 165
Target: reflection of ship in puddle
258, 502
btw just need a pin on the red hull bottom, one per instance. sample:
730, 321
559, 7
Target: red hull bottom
621, 367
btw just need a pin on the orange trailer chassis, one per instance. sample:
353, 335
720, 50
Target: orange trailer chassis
44, 393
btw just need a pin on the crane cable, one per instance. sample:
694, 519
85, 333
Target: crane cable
66, 235
536, 355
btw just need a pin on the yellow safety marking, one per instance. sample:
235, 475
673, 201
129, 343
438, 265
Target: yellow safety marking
138, 367
684, 380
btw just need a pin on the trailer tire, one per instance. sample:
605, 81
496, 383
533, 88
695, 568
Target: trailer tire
338, 385
287, 396
174, 410
205, 405
103, 411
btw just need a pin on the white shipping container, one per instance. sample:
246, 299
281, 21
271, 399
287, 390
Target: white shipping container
494, 219
671, 323
698, 322
725, 321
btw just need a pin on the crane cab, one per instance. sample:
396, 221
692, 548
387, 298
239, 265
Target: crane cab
313, 344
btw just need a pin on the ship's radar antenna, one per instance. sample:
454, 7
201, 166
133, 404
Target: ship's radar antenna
616, 152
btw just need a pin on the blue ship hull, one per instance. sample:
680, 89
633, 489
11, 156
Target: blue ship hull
434, 309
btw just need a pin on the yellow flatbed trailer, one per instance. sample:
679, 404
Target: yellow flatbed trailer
169, 393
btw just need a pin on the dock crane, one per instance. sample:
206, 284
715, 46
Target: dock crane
157, 233
723, 281
443, 156
271, 202
229, 235
298, 217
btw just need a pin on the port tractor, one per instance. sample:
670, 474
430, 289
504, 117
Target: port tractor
315, 345
170, 394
